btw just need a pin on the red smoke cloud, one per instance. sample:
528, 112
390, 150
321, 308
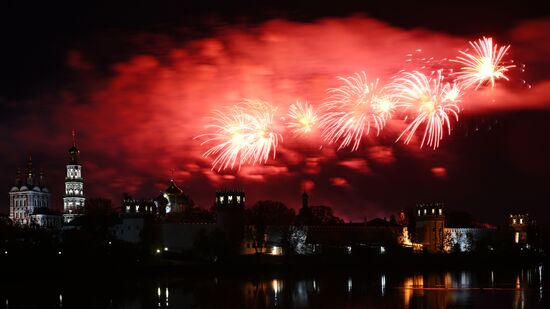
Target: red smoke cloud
138, 123
439, 172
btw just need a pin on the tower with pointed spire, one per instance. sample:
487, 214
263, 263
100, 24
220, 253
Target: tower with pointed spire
73, 199
29, 197
305, 216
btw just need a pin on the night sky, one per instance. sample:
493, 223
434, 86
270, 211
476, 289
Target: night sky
138, 80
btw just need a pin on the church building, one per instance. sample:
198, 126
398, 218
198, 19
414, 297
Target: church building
30, 200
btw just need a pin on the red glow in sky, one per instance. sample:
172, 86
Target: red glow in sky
137, 122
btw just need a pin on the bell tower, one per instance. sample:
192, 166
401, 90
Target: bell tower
73, 199
430, 226
230, 217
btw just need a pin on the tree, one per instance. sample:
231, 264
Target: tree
264, 214
98, 217
211, 244
323, 215
317, 215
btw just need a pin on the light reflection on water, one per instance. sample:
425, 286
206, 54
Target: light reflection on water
490, 288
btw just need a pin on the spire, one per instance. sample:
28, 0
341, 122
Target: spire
305, 200
30, 176
18, 178
41, 181
73, 151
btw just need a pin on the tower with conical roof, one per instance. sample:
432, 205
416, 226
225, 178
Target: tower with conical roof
73, 199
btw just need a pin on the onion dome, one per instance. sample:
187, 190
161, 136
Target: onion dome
73, 151
30, 172
173, 189
161, 200
18, 181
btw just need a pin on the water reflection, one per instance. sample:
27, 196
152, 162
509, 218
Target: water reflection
491, 288
162, 297
540, 283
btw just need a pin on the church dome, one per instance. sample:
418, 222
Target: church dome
45, 190
173, 189
23, 188
161, 200
36, 188
14, 189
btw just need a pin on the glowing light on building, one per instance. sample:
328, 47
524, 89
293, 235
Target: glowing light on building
275, 250
483, 65
428, 97
516, 237
353, 109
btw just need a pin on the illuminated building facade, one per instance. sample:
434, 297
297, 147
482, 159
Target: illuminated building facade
468, 239
143, 206
430, 226
73, 199
171, 200
520, 224
28, 197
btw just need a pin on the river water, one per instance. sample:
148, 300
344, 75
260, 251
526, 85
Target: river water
504, 288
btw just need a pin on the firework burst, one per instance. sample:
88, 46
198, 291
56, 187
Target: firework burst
242, 134
352, 109
303, 118
484, 65
433, 101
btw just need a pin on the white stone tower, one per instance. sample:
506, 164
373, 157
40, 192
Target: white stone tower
73, 199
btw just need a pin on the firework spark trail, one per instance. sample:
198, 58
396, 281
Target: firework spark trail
303, 118
353, 108
483, 65
434, 102
242, 134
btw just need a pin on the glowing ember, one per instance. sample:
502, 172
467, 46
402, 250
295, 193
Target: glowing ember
353, 109
434, 102
303, 116
484, 65
243, 134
